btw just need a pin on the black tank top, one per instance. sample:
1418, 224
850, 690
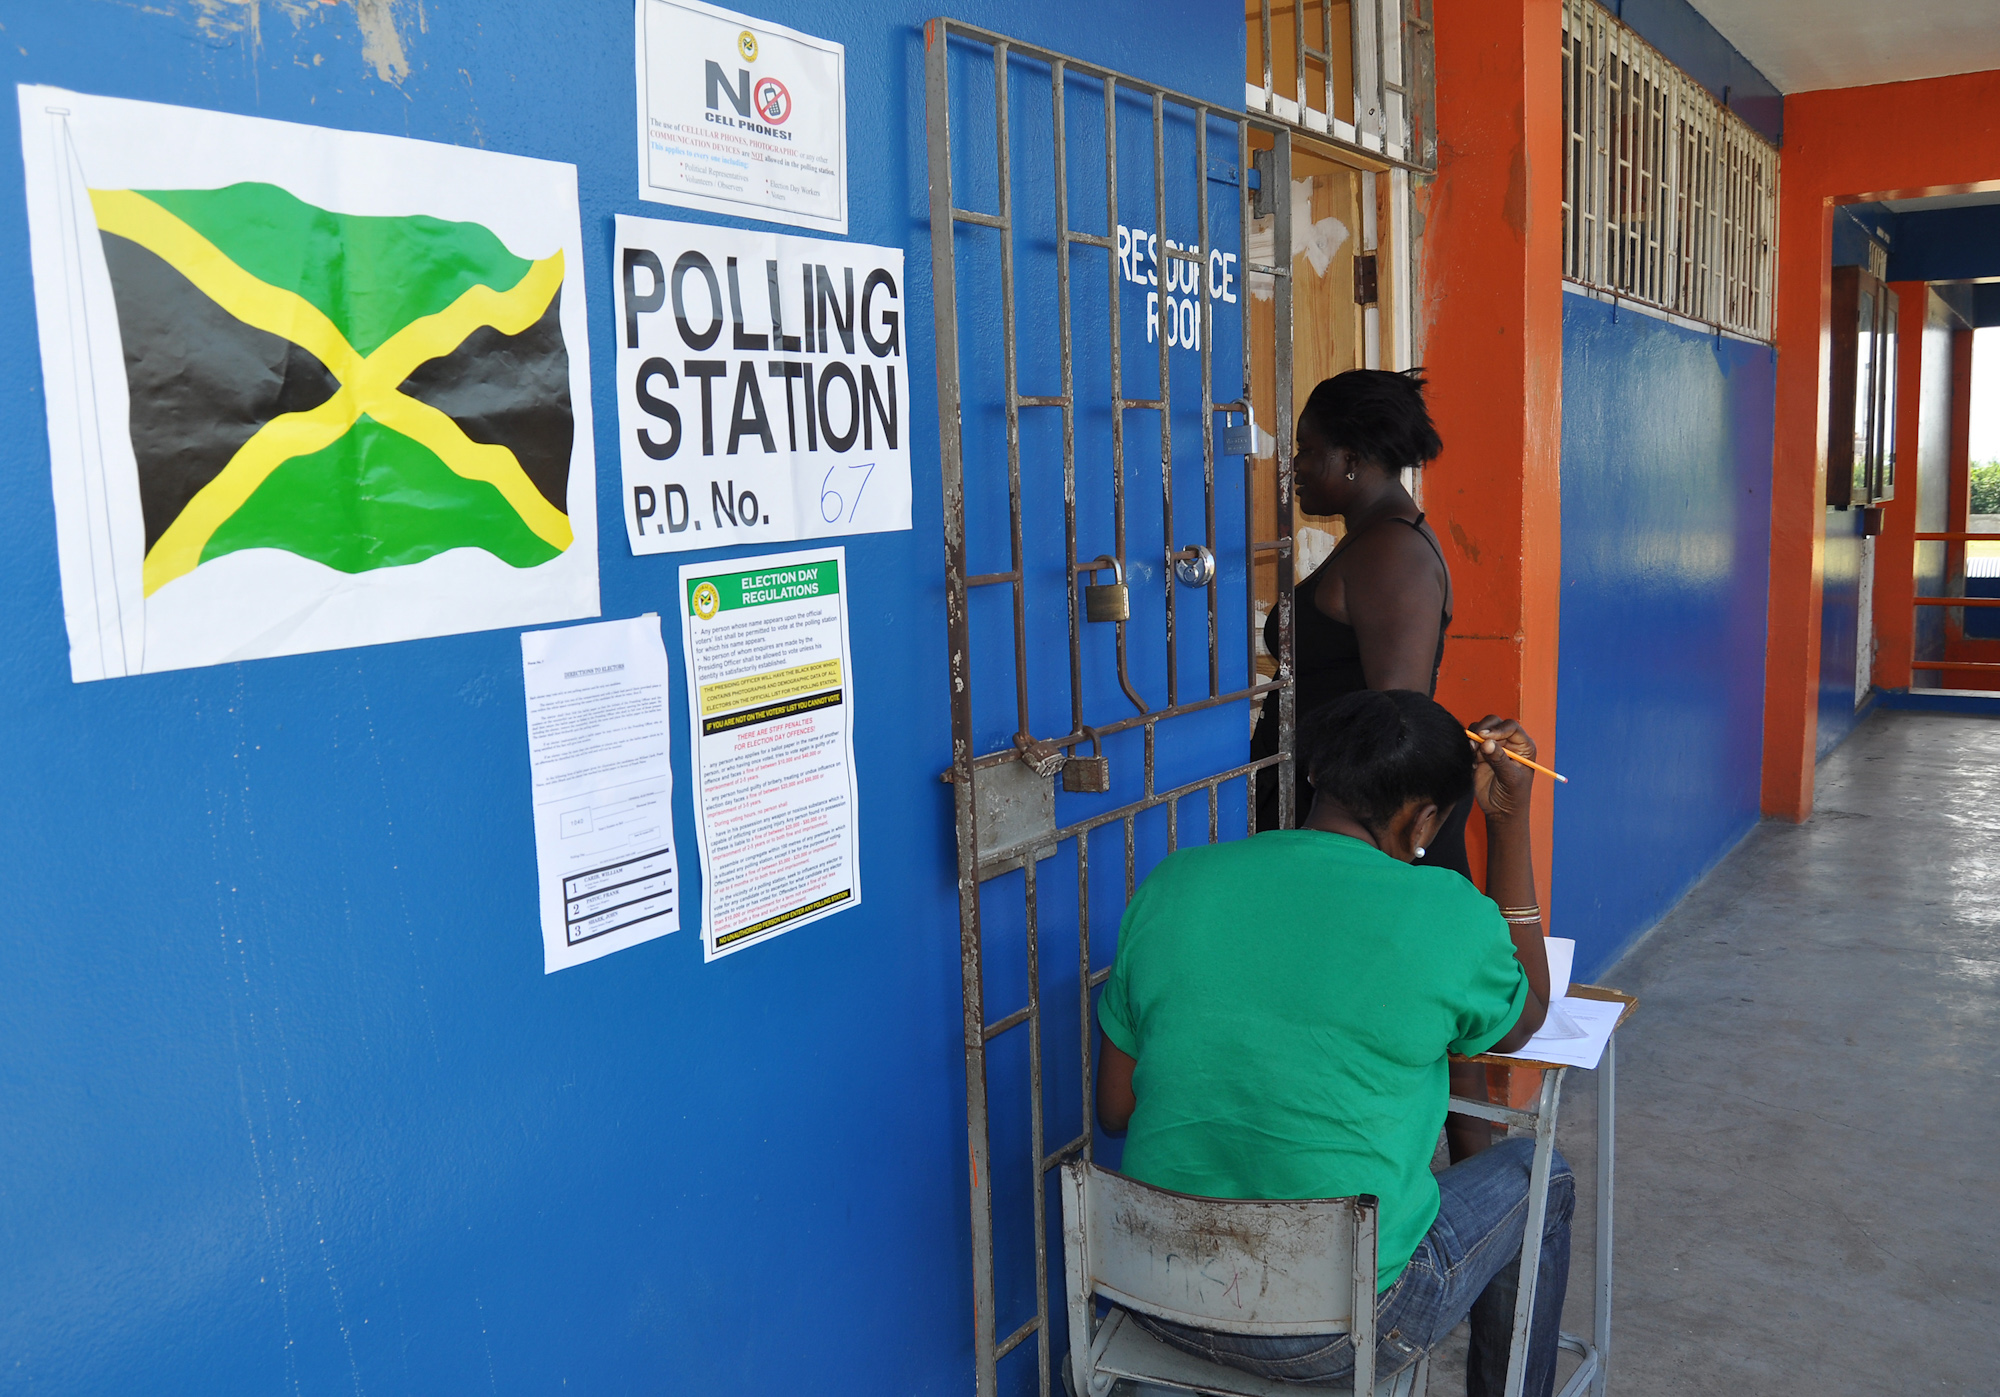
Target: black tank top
1328, 651
1329, 665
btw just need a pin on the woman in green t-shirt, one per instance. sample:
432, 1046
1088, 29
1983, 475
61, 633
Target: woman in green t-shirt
1278, 1018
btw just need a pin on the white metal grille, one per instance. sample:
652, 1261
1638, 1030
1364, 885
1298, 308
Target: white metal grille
1669, 198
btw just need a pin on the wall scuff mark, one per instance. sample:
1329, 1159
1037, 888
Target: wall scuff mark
381, 43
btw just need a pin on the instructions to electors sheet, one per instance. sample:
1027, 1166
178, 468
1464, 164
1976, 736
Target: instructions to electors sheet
770, 705
600, 758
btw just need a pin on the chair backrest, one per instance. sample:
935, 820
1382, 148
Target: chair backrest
1240, 1266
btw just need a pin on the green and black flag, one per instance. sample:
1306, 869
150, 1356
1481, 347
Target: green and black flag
366, 392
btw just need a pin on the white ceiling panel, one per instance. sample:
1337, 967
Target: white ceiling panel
1941, 201
1806, 45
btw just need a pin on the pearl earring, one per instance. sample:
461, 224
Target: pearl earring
1420, 851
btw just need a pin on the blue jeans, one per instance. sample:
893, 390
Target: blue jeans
1466, 1264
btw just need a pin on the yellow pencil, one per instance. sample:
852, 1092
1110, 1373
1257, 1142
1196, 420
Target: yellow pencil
1482, 741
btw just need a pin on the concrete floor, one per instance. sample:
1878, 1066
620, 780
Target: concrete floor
1807, 1142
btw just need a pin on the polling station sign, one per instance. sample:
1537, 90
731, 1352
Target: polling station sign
763, 386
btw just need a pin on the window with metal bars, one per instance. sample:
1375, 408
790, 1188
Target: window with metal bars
1669, 198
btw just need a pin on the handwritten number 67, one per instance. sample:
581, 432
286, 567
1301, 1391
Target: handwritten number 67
834, 507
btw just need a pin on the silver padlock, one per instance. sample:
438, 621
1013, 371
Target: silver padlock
1194, 566
1089, 775
1106, 601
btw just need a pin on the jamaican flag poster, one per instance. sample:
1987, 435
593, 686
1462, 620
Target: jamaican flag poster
306, 389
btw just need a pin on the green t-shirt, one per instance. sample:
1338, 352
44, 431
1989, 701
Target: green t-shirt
1290, 999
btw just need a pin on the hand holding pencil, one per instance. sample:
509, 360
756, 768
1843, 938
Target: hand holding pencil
1503, 774
1482, 741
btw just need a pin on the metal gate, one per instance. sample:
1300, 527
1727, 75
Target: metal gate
1043, 423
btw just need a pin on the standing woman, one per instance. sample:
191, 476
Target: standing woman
1374, 614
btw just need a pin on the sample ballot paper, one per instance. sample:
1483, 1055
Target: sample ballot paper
770, 702
602, 772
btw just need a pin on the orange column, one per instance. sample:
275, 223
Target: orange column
1492, 343
1896, 548
1842, 144
1798, 498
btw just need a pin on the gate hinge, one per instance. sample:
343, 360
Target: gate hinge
1364, 279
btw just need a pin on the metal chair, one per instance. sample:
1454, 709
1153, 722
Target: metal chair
1237, 1266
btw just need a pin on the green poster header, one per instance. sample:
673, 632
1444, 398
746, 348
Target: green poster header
796, 582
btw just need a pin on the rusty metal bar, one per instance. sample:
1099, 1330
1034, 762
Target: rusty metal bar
1083, 981
1956, 601
1008, 754
951, 465
1002, 154
1013, 1340
1959, 537
1281, 234
1264, 18
1205, 330
1955, 664
1041, 1197
1000, 1026
1299, 52
1251, 548
1165, 276
1064, 237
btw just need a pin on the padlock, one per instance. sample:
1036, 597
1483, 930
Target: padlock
1108, 601
1194, 566
1044, 758
1089, 775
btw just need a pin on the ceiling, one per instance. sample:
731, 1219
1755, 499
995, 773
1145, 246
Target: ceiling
1806, 45
1940, 201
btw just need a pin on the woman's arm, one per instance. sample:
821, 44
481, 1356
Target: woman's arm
1392, 594
1115, 1101
1502, 786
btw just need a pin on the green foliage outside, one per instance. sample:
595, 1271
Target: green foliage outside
1986, 488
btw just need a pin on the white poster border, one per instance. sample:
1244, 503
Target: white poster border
736, 208
263, 603
692, 699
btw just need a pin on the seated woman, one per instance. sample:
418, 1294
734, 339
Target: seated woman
1277, 1020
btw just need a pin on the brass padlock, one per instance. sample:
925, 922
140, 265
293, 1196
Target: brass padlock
1108, 601
1089, 775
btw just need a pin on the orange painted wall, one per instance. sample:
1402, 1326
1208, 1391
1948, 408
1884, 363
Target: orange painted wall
1492, 343
1842, 144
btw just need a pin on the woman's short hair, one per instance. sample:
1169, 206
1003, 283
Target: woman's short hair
1378, 415
1374, 751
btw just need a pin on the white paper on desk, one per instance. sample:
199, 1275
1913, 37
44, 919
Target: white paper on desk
601, 770
1561, 952
1595, 1017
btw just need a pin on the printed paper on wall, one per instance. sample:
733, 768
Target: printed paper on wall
306, 389
763, 386
771, 714
740, 116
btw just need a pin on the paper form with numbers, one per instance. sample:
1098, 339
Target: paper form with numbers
600, 762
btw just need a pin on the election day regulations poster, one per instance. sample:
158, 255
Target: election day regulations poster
771, 710
305, 388
763, 386
740, 116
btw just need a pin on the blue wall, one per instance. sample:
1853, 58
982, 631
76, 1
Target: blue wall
1666, 515
288, 1103
1946, 244
1680, 31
